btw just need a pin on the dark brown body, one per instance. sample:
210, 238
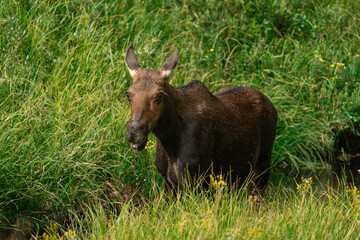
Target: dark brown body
229, 133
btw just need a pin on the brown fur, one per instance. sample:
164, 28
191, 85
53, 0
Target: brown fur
231, 132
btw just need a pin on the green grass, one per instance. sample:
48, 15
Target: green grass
63, 112
286, 214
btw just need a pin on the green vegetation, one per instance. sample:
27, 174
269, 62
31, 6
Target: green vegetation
284, 215
63, 153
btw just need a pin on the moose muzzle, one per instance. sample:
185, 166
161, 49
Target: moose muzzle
137, 134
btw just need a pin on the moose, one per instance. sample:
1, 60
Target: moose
231, 132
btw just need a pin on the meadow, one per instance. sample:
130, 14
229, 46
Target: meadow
67, 170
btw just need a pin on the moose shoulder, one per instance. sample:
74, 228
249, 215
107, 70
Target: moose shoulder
231, 132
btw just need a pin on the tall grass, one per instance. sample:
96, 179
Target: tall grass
286, 214
62, 78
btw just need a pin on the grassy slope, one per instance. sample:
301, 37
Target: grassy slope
62, 78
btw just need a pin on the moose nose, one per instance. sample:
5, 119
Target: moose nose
136, 131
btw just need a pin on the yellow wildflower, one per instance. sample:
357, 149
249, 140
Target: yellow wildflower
45, 236
54, 226
211, 50
322, 60
305, 186
218, 182
332, 65
253, 233
150, 145
215, 65
355, 197
69, 233
253, 199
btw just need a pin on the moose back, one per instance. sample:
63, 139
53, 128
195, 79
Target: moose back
231, 132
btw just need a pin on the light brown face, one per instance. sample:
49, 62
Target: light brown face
146, 99
146, 96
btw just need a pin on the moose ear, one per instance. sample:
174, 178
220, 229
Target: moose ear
170, 64
131, 61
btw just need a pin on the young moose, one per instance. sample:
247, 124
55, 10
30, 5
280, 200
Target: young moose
231, 132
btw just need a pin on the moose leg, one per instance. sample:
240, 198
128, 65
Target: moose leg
175, 176
262, 171
261, 181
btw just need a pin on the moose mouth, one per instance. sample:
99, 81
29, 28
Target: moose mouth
140, 145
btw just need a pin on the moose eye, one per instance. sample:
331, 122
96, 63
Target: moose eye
159, 96
127, 95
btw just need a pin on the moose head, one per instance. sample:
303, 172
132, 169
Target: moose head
146, 96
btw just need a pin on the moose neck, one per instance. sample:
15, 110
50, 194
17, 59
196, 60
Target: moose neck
172, 120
